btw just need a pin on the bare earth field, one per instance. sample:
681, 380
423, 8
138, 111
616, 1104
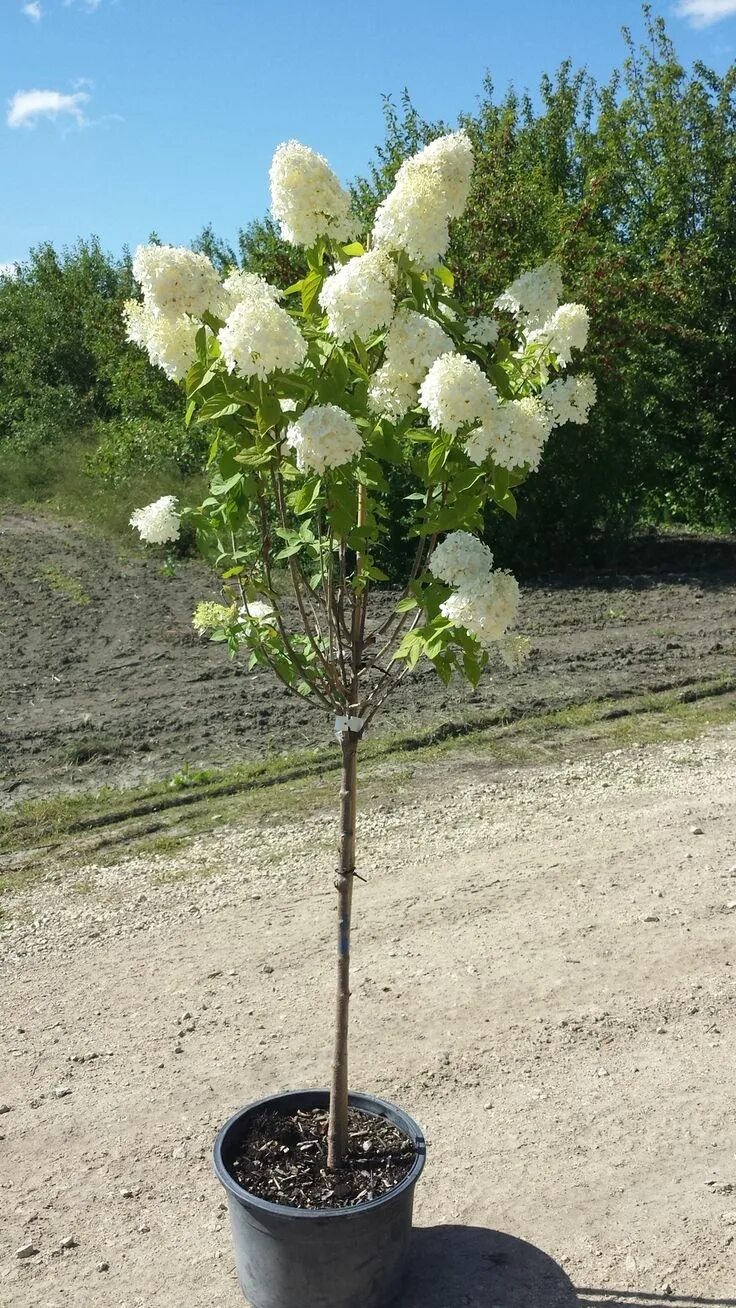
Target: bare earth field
545, 976
103, 680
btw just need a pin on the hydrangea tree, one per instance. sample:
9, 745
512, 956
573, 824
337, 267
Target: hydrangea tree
315, 395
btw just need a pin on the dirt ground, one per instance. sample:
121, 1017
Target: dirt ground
104, 681
544, 975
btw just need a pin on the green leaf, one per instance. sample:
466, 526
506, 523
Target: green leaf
411, 648
254, 457
218, 406
420, 435
220, 487
289, 550
269, 412
438, 456
375, 574
200, 345
406, 604
444, 275
304, 499
384, 445
214, 323
311, 287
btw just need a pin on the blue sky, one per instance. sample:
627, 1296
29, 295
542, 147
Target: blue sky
123, 116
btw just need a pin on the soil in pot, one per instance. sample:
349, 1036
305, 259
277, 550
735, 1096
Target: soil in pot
283, 1158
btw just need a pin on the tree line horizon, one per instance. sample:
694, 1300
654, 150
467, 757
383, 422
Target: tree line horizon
629, 185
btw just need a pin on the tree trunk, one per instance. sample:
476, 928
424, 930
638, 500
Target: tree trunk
338, 1126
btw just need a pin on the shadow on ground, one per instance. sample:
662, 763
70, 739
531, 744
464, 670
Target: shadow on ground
473, 1267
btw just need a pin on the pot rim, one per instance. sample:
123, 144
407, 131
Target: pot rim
367, 1104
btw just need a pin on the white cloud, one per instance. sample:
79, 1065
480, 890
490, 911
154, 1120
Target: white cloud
26, 107
9, 269
703, 13
33, 11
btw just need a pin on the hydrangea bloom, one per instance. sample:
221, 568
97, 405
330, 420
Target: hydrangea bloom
259, 336
514, 650
175, 281
306, 196
257, 611
456, 391
208, 615
566, 330
461, 560
481, 330
243, 286
431, 188
325, 436
514, 437
570, 399
159, 522
170, 343
534, 295
486, 609
358, 299
413, 344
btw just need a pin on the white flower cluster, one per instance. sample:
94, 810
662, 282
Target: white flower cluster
487, 609
241, 287
431, 188
515, 435
413, 343
485, 602
259, 337
461, 560
209, 615
175, 281
168, 342
256, 611
566, 330
534, 295
570, 399
358, 300
514, 651
306, 196
456, 391
481, 330
325, 436
159, 522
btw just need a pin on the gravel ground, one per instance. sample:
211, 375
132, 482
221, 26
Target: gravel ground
544, 975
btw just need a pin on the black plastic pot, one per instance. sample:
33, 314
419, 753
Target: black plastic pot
319, 1258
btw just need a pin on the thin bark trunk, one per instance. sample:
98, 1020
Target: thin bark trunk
338, 1125
337, 1131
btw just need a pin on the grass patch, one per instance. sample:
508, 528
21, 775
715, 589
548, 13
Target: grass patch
277, 788
90, 745
61, 481
65, 585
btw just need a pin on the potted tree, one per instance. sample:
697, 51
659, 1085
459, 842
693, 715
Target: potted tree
322, 399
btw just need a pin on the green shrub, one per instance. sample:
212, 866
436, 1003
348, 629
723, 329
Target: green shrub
130, 447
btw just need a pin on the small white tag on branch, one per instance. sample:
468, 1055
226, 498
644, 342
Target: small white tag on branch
345, 724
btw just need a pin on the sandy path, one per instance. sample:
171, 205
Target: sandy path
545, 976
